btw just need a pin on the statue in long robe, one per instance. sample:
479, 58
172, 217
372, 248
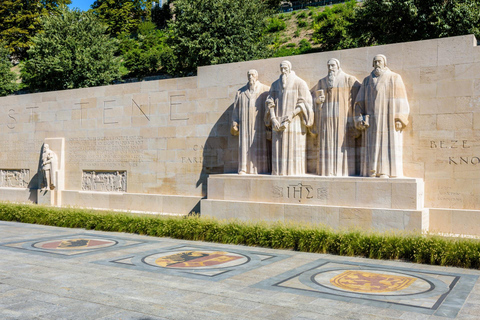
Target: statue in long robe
381, 112
289, 108
49, 167
334, 97
248, 122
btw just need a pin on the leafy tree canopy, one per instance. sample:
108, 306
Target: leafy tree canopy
383, 21
7, 77
122, 15
332, 27
20, 21
207, 32
142, 51
72, 52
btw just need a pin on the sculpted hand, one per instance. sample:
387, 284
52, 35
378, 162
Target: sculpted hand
360, 125
276, 125
320, 100
234, 129
398, 125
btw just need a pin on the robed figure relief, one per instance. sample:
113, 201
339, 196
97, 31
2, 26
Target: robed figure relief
248, 122
289, 108
334, 97
381, 112
49, 168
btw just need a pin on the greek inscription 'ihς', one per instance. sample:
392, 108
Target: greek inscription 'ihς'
14, 178
113, 181
300, 191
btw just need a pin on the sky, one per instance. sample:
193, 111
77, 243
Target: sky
81, 4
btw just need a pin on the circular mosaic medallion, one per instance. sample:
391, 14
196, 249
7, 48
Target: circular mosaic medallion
75, 244
374, 282
196, 259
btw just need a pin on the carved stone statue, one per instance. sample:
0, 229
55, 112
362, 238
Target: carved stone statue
49, 167
381, 112
334, 97
289, 107
248, 123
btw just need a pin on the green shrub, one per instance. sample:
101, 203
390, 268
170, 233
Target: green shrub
7, 77
291, 45
302, 23
275, 25
412, 247
302, 15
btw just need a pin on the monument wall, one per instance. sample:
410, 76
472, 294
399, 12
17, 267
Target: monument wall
150, 146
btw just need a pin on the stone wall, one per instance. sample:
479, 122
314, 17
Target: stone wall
167, 136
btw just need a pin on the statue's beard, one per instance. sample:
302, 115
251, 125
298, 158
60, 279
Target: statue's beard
378, 71
251, 84
284, 79
331, 78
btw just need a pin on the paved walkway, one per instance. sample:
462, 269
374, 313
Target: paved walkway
58, 273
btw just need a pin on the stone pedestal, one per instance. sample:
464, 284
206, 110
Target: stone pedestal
46, 197
367, 203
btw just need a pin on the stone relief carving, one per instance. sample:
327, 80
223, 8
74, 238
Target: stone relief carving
289, 108
107, 181
14, 178
381, 113
49, 168
334, 97
248, 123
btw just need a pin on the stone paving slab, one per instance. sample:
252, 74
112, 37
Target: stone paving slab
59, 273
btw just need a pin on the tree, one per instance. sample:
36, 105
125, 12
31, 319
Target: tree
20, 21
122, 16
7, 77
72, 52
382, 21
207, 32
142, 52
332, 27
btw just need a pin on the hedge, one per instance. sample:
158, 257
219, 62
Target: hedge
413, 247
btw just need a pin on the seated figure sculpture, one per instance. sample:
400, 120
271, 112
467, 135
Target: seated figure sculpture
381, 113
334, 97
289, 108
248, 123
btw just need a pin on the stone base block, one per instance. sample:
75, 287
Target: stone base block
332, 216
401, 193
22, 195
46, 197
154, 203
455, 221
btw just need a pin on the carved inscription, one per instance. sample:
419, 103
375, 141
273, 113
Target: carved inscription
17, 178
107, 113
134, 103
12, 121
459, 145
450, 144
122, 149
446, 193
12, 152
175, 101
300, 191
107, 181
